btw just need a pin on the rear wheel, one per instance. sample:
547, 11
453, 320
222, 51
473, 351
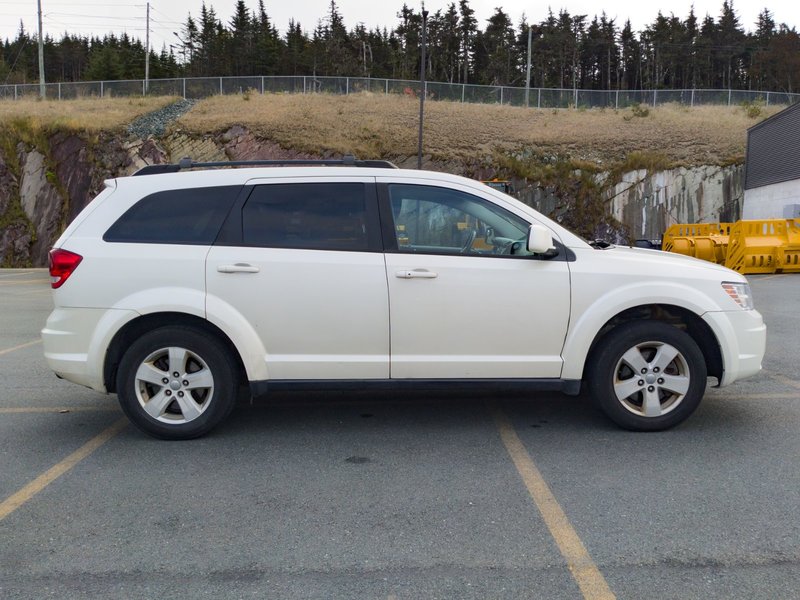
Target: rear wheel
177, 383
647, 375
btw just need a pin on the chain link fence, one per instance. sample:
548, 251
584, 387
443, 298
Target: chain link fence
203, 87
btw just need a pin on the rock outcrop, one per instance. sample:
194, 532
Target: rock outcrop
43, 188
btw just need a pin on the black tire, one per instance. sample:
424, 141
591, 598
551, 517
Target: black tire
635, 358
180, 407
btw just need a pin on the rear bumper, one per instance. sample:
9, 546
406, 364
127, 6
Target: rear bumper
76, 339
742, 336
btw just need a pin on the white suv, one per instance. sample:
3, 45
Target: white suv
172, 288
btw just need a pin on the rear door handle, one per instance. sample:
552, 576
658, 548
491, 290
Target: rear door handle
416, 274
238, 268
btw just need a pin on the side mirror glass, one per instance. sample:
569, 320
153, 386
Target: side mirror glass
539, 239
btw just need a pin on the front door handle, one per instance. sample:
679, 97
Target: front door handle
416, 274
238, 268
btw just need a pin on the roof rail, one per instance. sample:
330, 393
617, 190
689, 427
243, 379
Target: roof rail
348, 160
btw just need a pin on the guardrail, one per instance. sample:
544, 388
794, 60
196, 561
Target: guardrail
203, 87
749, 247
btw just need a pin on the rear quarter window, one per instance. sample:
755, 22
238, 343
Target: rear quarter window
186, 216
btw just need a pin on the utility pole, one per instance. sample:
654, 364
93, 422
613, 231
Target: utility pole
42, 92
528, 73
422, 88
147, 53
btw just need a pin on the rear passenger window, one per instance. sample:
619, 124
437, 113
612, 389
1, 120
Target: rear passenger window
314, 216
187, 216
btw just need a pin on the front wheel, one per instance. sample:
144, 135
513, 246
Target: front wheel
647, 375
176, 383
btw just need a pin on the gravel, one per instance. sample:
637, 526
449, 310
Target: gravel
155, 123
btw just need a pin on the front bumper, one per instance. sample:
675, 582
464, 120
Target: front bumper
742, 336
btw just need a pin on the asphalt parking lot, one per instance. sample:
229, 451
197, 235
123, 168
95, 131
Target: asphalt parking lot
355, 495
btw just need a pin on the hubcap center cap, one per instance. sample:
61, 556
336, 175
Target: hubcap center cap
175, 384
650, 378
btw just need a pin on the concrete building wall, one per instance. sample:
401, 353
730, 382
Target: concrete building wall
777, 201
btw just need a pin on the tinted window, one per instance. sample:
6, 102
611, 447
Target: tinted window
188, 216
441, 220
316, 216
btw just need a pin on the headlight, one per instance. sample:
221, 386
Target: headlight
740, 292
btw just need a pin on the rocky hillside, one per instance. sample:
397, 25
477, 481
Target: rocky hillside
49, 173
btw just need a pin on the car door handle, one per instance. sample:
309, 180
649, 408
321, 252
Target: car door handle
238, 268
416, 274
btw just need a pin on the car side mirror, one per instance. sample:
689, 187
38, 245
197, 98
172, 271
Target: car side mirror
540, 241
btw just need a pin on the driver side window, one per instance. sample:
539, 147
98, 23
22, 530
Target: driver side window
436, 220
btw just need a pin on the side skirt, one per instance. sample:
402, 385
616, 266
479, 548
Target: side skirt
571, 387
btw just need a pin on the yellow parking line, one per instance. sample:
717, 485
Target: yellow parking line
23, 282
20, 347
588, 577
13, 502
765, 278
8, 275
25, 410
765, 396
783, 379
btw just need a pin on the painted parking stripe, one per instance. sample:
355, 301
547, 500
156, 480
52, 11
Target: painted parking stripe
26, 410
783, 379
20, 347
13, 502
591, 582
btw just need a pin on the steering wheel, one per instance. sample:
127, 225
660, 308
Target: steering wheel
472, 233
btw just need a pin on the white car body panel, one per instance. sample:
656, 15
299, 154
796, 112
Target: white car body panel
320, 315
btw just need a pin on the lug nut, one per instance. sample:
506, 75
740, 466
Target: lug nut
185, 382
641, 382
656, 370
168, 393
180, 394
650, 388
176, 374
644, 371
660, 380
165, 381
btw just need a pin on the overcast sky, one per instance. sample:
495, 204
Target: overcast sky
100, 17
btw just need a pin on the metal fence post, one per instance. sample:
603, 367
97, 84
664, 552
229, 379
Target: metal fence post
144, 92
539, 99
463, 90
347, 86
575, 99
767, 98
692, 101
616, 100
262, 85
501, 95
655, 97
102, 91
387, 87
184, 88
729, 97
220, 86
59, 90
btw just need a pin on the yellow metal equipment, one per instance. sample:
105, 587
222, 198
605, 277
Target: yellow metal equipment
707, 241
771, 246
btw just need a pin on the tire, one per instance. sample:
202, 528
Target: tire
647, 375
177, 383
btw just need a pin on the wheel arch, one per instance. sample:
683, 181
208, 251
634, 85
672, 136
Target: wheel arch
676, 316
149, 322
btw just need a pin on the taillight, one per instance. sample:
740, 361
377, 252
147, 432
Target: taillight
62, 264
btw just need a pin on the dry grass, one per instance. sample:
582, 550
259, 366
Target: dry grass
372, 126
85, 114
